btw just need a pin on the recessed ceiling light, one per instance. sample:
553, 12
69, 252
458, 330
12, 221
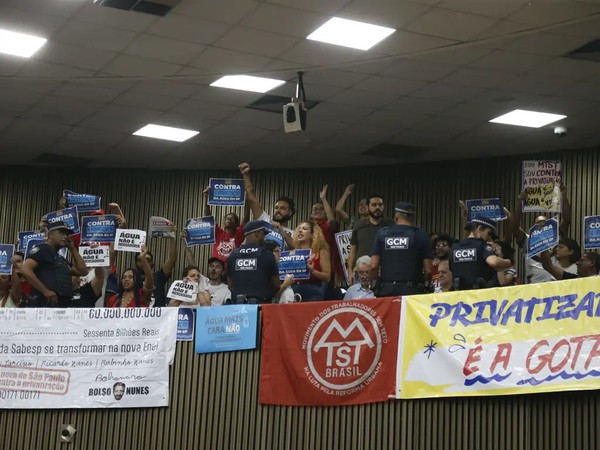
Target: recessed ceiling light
167, 133
20, 44
524, 118
350, 33
247, 83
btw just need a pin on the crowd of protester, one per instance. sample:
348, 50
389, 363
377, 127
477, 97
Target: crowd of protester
388, 257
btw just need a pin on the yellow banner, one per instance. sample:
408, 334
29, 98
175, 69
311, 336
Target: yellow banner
514, 340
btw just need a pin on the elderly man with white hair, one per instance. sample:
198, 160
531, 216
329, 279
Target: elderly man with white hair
362, 289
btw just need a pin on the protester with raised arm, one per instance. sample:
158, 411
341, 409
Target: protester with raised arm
284, 208
129, 295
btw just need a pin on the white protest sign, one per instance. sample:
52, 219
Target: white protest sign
160, 227
129, 240
95, 256
86, 358
342, 241
185, 291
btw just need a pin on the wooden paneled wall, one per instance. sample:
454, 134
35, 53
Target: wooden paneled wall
214, 403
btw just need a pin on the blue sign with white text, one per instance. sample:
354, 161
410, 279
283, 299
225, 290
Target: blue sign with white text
68, 216
591, 232
542, 237
84, 202
98, 228
185, 324
25, 236
200, 231
274, 236
226, 328
226, 192
489, 208
6, 253
293, 263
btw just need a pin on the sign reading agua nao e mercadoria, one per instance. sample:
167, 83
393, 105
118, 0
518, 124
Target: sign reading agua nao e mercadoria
542, 337
329, 353
129, 240
86, 358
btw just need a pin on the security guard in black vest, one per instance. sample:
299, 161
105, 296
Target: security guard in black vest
473, 261
48, 273
404, 254
252, 272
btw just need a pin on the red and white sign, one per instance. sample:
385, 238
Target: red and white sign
329, 353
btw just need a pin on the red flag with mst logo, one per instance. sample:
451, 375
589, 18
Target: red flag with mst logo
329, 353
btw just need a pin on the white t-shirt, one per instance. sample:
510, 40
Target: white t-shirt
535, 273
219, 294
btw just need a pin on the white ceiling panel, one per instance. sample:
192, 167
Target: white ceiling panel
249, 40
132, 66
188, 29
282, 20
115, 18
434, 83
450, 24
164, 49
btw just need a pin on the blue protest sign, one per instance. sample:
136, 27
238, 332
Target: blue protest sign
489, 208
98, 228
200, 230
68, 216
591, 232
226, 328
274, 236
226, 192
6, 253
31, 244
542, 237
84, 202
185, 324
293, 263
25, 236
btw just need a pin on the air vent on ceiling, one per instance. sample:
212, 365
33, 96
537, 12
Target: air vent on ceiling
397, 151
274, 103
589, 51
155, 7
52, 159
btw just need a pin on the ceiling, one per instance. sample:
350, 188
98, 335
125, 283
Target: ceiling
426, 93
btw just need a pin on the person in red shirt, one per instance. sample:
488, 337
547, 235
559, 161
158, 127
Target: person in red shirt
322, 215
309, 236
229, 237
128, 295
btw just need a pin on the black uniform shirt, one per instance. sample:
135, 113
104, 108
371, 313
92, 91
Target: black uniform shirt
402, 249
251, 268
52, 270
468, 261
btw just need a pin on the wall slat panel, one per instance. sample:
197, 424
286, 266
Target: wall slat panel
214, 397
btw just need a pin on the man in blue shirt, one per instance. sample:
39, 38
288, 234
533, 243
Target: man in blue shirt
362, 289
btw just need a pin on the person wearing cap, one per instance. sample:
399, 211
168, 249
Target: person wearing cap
534, 272
48, 273
213, 282
402, 256
473, 261
252, 273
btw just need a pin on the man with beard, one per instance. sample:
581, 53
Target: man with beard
231, 235
284, 209
219, 291
441, 249
364, 232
